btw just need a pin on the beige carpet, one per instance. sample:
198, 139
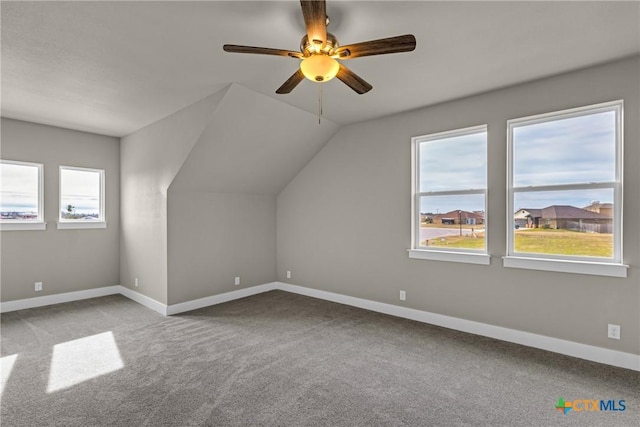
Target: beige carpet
279, 359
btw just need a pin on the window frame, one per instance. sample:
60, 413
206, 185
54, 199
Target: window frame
568, 263
76, 223
464, 255
38, 223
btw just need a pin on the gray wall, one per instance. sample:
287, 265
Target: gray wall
196, 178
150, 159
214, 237
343, 224
64, 260
222, 202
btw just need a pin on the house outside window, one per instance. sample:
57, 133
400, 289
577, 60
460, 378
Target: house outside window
449, 213
21, 196
565, 191
81, 198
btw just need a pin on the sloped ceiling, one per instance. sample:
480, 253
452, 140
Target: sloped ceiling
253, 144
114, 67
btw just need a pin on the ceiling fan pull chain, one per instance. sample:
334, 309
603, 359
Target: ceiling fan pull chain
319, 102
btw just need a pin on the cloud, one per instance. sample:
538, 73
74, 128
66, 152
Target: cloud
573, 150
457, 163
19, 187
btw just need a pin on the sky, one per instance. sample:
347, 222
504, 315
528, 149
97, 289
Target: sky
80, 189
457, 163
453, 163
19, 189
444, 204
569, 151
574, 150
577, 198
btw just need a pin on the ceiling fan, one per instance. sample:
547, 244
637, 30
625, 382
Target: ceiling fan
319, 51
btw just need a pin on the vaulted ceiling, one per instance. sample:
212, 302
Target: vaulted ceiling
256, 154
114, 67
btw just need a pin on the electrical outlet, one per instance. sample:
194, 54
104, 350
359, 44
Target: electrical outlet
237, 282
403, 296
614, 331
38, 286
135, 282
288, 274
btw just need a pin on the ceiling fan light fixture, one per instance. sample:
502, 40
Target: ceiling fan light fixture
319, 68
319, 51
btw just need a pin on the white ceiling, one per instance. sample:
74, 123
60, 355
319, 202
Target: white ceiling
115, 67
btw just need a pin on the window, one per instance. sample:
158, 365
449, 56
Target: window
449, 215
81, 198
21, 206
565, 191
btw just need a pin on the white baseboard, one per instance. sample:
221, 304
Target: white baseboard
144, 300
569, 348
219, 299
141, 299
34, 302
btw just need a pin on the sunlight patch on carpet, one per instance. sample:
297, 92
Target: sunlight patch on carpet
6, 366
76, 361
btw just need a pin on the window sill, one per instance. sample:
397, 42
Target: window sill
15, 226
71, 225
567, 266
465, 257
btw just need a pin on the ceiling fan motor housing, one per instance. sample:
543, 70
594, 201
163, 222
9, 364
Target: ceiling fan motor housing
309, 48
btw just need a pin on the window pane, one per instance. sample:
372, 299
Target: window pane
572, 222
565, 151
452, 221
79, 194
19, 192
454, 163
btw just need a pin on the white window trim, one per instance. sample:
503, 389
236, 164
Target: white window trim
471, 256
451, 256
566, 266
67, 224
23, 226
38, 224
562, 263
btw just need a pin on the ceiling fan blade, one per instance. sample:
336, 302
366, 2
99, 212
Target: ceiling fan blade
352, 80
234, 48
291, 83
315, 20
405, 43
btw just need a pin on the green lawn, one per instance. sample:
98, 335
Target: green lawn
558, 242
564, 242
465, 242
